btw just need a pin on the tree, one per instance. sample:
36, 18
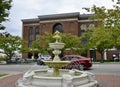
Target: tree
5, 6
42, 44
9, 44
72, 42
99, 40
107, 33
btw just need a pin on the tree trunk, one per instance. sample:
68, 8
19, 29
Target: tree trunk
102, 56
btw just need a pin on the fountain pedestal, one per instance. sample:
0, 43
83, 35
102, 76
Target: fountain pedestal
56, 64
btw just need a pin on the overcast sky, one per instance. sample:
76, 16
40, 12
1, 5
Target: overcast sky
25, 9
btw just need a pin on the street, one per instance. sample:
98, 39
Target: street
18, 68
104, 68
107, 74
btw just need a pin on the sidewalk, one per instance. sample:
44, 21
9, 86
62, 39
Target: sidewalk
108, 80
104, 80
9, 81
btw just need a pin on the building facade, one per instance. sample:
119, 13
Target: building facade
74, 23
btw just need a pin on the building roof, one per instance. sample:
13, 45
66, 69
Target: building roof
30, 20
55, 16
64, 15
86, 15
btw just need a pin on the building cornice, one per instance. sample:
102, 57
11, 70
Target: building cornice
31, 24
30, 20
87, 20
86, 15
55, 16
59, 20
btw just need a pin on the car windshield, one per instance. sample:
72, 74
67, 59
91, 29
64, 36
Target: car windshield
70, 58
74, 58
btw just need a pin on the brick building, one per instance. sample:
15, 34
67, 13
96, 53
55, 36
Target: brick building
74, 23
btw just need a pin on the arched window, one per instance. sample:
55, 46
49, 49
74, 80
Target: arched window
58, 27
91, 25
83, 27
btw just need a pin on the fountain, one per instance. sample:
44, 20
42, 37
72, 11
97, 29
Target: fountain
54, 76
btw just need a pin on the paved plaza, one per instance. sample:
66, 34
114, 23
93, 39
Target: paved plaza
104, 80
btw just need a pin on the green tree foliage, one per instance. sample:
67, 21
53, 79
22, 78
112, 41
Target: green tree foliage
72, 42
42, 44
5, 6
9, 44
99, 39
107, 33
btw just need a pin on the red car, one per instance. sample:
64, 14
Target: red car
77, 62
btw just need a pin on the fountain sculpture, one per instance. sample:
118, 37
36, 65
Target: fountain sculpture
55, 76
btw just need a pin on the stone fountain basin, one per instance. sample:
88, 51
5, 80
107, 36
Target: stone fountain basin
57, 64
44, 78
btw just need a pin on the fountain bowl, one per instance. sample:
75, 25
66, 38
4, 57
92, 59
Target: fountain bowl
56, 45
58, 64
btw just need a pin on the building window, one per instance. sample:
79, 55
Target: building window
84, 41
30, 44
37, 32
91, 25
58, 27
31, 36
31, 30
37, 37
83, 28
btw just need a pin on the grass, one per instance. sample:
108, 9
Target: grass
2, 75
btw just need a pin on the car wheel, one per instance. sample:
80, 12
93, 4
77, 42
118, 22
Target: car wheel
81, 67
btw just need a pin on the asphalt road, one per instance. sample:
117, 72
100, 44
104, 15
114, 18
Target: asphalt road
109, 68
106, 68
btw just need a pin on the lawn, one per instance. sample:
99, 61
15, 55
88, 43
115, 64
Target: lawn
2, 75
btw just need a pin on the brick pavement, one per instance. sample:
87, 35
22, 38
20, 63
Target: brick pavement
108, 80
104, 80
9, 81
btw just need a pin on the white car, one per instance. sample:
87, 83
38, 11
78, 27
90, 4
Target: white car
46, 57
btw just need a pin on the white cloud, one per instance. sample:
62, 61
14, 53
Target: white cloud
23, 9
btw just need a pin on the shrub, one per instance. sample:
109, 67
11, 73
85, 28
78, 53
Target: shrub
3, 58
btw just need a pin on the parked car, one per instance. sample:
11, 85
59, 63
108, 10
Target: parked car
40, 62
77, 62
43, 58
46, 57
16, 60
12, 60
